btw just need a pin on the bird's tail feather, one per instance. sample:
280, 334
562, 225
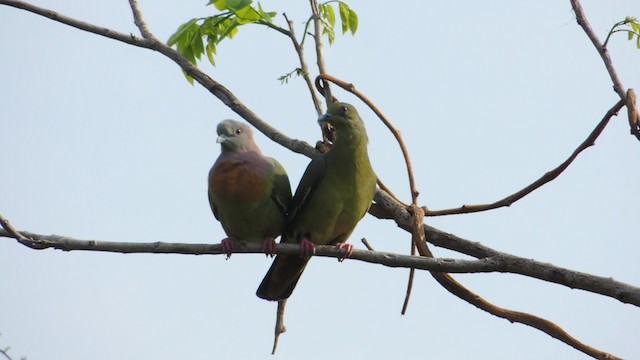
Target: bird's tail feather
282, 277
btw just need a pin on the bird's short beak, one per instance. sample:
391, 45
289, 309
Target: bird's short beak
221, 139
324, 118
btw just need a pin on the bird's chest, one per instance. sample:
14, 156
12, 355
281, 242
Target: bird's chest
342, 199
237, 180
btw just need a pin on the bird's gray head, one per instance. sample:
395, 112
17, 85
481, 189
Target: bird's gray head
235, 136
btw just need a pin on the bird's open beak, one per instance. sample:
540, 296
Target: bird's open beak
221, 139
324, 118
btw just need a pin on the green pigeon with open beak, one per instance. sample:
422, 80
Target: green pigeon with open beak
248, 192
334, 193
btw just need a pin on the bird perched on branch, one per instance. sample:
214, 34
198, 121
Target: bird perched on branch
334, 193
248, 192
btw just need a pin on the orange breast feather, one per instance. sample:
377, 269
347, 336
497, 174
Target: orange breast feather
237, 180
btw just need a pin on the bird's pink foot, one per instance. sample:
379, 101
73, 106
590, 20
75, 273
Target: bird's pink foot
269, 246
348, 249
307, 248
227, 247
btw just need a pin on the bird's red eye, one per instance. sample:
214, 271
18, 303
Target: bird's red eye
238, 131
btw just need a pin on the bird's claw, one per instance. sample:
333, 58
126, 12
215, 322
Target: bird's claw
307, 248
348, 249
269, 246
227, 247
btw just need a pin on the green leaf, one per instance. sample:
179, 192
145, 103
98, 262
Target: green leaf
247, 15
327, 12
189, 78
638, 42
211, 50
219, 4
210, 24
197, 47
187, 52
230, 29
183, 31
237, 5
635, 27
284, 79
353, 21
344, 16
629, 35
328, 30
266, 16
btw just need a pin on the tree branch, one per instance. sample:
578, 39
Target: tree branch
514, 264
303, 66
496, 262
547, 177
604, 53
396, 134
317, 31
544, 325
215, 88
81, 25
5, 353
541, 324
139, 21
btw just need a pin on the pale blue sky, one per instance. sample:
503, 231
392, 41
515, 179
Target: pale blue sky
101, 140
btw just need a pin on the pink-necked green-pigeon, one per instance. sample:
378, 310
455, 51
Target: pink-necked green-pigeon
335, 192
248, 192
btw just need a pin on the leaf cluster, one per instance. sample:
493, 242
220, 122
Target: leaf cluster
202, 35
348, 19
284, 79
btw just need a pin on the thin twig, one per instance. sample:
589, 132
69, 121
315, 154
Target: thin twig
214, 87
5, 352
405, 153
11, 230
81, 25
541, 324
322, 67
384, 187
280, 328
139, 21
611, 32
547, 177
275, 27
544, 325
604, 53
417, 242
396, 134
412, 273
366, 244
303, 66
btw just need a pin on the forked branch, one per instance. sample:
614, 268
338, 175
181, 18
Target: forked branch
547, 177
604, 53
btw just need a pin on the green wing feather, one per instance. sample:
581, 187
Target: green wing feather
307, 187
281, 192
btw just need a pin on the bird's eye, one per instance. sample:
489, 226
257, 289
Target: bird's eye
238, 131
344, 110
